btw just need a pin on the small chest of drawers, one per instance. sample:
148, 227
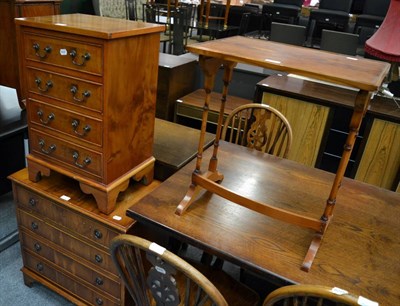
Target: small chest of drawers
91, 85
65, 238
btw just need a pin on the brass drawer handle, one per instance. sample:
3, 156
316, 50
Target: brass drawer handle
84, 57
97, 234
99, 281
98, 258
50, 117
34, 225
37, 247
32, 202
86, 129
85, 95
86, 161
49, 84
46, 50
99, 301
51, 148
40, 267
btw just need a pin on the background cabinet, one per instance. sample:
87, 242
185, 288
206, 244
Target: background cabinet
380, 163
320, 116
308, 128
10, 9
176, 78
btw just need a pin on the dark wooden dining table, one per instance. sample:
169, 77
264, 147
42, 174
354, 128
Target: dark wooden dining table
360, 250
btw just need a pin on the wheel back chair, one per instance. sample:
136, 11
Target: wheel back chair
156, 276
313, 295
260, 127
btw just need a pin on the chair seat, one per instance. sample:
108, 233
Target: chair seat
329, 15
370, 19
284, 9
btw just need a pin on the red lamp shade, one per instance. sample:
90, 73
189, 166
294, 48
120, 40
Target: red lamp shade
385, 43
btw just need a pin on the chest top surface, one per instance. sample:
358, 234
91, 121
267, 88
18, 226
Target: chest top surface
90, 25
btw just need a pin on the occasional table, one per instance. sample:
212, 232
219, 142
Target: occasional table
364, 75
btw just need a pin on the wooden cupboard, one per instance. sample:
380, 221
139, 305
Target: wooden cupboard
10, 9
375, 158
307, 129
380, 162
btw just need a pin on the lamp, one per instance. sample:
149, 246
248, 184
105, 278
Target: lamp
385, 43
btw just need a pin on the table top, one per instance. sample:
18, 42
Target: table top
175, 145
356, 72
360, 250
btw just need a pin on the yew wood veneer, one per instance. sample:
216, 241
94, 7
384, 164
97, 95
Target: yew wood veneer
91, 85
65, 238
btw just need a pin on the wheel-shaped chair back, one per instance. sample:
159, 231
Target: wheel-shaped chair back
260, 127
313, 295
155, 276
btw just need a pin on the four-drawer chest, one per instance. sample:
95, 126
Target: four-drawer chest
91, 86
65, 238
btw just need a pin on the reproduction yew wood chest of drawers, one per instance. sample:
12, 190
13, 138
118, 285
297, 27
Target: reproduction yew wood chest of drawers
65, 238
91, 85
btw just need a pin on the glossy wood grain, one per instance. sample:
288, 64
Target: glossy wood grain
65, 238
105, 71
356, 72
93, 26
380, 163
174, 146
360, 248
365, 76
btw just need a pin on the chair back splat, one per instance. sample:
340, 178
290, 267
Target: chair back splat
260, 127
155, 276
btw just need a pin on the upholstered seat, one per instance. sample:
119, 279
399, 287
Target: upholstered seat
283, 10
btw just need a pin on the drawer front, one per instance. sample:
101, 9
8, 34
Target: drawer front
46, 270
76, 223
77, 268
75, 55
100, 258
65, 154
85, 95
55, 119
